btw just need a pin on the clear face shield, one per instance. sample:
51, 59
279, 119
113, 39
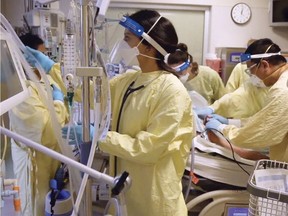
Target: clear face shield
123, 57
254, 79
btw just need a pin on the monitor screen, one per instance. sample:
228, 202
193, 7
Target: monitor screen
13, 88
236, 209
279, 13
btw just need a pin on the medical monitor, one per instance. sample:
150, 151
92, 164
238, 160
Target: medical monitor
278, 13
236, 209
13, 81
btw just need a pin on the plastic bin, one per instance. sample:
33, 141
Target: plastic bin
265, 201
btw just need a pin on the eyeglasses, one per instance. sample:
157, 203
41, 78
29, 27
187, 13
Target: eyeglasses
248, 70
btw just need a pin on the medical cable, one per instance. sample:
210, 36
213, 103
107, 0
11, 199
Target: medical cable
232, 150
116, 204
5, 145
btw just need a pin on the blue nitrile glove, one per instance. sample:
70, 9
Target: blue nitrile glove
45, 62
213, 124
220, 118
57, 93
78, 130
203, 112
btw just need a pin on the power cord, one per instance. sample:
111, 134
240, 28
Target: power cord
232, 150
5, 145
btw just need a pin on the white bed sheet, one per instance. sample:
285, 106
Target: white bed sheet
214, 162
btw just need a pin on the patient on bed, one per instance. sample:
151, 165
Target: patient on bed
244, 153
221, 141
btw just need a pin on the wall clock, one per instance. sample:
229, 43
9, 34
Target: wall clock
241, 13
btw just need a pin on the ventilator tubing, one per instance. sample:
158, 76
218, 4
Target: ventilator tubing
65, 149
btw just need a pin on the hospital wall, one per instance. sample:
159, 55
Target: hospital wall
221, 30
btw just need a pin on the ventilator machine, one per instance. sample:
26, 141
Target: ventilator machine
69, 42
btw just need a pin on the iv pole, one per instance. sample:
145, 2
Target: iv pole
86, 145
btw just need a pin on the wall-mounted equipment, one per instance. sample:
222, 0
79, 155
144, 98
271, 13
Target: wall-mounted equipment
230, 56
49, 25
278, 13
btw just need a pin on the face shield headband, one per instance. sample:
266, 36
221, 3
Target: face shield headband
246, 56
138, 30
182, 66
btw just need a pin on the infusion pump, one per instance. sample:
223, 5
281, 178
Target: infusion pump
49, 25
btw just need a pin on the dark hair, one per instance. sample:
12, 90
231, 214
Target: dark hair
265, 45
31, 40
181, 55
163, 33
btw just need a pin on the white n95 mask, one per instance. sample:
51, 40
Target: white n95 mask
123, 54
256, 81
184, 78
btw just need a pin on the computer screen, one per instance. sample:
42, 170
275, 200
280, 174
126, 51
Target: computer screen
13, 87
278, 13
236, 209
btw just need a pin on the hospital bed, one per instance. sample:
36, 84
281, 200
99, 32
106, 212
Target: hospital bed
214, 176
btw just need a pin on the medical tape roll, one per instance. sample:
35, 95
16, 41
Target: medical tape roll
63, 205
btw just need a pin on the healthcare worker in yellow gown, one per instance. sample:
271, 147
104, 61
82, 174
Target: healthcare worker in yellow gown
268, 127
238, 75
36, 43
208, 83
201, 79
244, 102
152, 127
32, 120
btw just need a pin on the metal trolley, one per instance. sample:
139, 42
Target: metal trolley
265, 201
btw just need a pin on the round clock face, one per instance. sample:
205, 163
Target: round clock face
241, 13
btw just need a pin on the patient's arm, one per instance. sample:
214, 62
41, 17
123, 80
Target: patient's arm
244, 153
